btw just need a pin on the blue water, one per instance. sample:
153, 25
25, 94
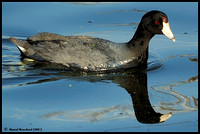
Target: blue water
39, 99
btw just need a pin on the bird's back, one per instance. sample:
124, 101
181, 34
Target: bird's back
72, 51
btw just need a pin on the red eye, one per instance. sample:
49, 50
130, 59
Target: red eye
156, 22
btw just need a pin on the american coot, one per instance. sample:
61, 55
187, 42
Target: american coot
95, 54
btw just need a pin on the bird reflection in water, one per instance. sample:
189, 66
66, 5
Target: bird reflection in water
136, 86
134, 82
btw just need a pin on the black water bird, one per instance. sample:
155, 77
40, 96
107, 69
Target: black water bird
95, 54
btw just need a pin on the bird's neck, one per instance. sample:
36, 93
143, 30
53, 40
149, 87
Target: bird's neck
139, 44
141, 38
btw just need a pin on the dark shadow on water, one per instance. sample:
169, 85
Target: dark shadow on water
136, 85
134, 81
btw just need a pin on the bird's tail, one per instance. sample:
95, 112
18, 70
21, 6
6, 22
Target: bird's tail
18, 42
23, 46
